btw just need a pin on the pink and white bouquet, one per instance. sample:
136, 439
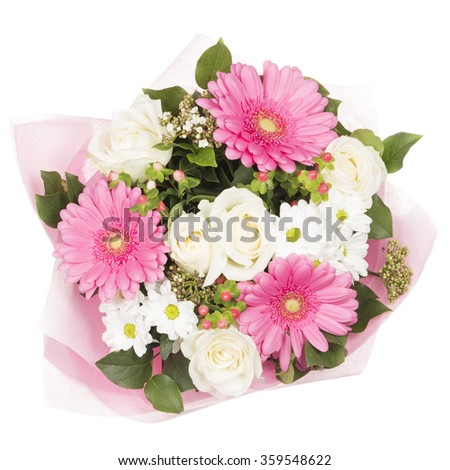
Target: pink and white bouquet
218, 240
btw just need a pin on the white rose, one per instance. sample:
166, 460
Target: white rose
358, 169
243, 248
223, 362
189, 249
126, 145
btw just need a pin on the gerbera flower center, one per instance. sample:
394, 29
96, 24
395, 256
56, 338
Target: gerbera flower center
115, 246
172, 312
268, 125
293, 307
129, 330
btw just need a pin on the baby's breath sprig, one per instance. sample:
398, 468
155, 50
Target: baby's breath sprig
192, 122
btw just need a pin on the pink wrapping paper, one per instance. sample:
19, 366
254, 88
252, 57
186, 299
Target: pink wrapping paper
72, 325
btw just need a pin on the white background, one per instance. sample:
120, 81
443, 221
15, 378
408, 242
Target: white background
92, 57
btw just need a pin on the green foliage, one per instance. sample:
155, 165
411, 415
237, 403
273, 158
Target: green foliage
204, 157
367, 137
53, 182
126, 368
332, 358
165, 346
177, 368
49, 207
396, 148
170, 97
369, 307
74, 187
163, 393
125, 177
57, 194
292, 374
215, 59
381, 226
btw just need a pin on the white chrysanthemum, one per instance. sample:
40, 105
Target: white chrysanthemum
301, 230
349, 209
174, 318
348, 255
126, 326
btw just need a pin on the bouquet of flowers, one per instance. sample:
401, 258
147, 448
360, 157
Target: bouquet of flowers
221, 239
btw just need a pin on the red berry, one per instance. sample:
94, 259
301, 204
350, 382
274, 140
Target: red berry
226, 296
235, 312
327, 157
203, 310
323, 188
142, 199
206, 324
312, 175
157, 166
161, 206
294, 202
262, 176
222, 323
220, 280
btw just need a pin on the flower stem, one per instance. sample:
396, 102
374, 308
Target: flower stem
373, 273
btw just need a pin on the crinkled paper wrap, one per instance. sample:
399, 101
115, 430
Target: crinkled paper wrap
72, 326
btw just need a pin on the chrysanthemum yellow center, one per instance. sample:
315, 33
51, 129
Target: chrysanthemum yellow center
293, 234
172, 312
341, 215
129, 330
266, 124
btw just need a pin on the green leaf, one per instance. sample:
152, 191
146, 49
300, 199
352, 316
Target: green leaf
49, 207
165, 346
126, 368
331, 358
341, 130
243, 175
163, 393
363, 292
367, 137
209, 175
332, 106
215, 59
381, 226
170, 98
291, 375
341, 340
176, 211
367, 310
395, 149
177, 368
74, 187
188, 183
52, 182
203, 157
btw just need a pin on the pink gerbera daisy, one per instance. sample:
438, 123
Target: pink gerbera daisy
293, 303
104, 247
274, 122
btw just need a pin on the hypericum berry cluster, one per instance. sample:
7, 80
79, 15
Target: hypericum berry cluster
313, 181
189, 287
395, 274
192, 122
